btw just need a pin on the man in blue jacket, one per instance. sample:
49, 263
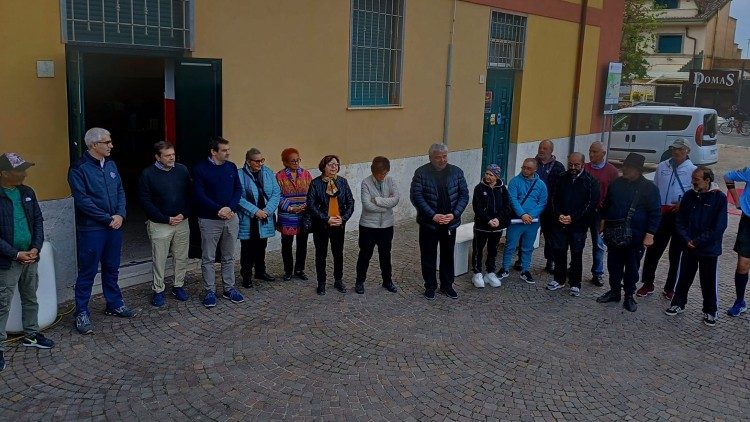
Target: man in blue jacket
528, 198
440, 195
631, 190
21, 238
217, 201
701, 222
99, 201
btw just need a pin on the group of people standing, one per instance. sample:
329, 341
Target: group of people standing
628, 213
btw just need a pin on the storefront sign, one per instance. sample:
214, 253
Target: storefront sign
717, 79
612, 94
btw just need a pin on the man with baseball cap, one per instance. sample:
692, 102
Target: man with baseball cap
21, 238
673, 179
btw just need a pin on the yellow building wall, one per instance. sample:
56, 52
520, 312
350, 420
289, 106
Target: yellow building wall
544, 92
285, 78
33, 111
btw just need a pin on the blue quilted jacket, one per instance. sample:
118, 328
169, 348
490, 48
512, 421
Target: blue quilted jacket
424, 195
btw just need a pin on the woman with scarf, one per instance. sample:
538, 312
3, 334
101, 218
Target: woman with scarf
294, 182
330, 204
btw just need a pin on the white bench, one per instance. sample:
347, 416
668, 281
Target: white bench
462, 251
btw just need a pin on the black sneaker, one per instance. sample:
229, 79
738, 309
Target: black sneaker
339, 285
83, 323
630, 304
450, 292
39, 341
429, 294
526, 276
709, 319
287, 276
122, 312
610, 296
301, 275
597, 280
2, 361
390, 287
247, 282
265, 277
359, 288
321, 290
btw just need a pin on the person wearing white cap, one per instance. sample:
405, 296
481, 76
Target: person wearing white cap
21, 238
673, 179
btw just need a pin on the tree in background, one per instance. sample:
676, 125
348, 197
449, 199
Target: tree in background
638, 35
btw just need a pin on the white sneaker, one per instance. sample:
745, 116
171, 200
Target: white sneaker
478, 280
575, 291
492, 280
553, 285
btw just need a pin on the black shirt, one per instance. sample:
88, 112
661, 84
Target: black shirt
165, 194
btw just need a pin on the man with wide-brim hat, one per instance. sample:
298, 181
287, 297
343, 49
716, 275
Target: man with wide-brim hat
21, 238
673, 180
630, 191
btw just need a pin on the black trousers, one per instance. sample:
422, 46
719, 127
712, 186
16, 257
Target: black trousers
662, 237
480, 239
369, 238
292, 263
689, 265
623, 263
429, 240
252, 254
563, 239
321, 237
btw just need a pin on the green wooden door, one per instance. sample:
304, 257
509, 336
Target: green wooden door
498, 105
76, 114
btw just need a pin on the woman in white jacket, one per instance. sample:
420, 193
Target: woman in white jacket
379, 197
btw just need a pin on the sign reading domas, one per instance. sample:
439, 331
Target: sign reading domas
717, 79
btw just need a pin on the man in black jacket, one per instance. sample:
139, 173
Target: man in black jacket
164, 190
440, 195
21, 238
631, 190
574, 200
549, 170
701, 222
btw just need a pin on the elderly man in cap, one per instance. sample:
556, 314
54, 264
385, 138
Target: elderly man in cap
673, 179
99, 200
632, 202
21, 238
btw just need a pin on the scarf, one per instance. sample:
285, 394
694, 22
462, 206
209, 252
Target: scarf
331, 189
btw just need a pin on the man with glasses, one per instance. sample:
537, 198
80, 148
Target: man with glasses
217, 193
99, 200
574, 201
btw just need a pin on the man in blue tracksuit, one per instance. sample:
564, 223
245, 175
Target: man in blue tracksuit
528, 198
701, 222
440, 195
99, 200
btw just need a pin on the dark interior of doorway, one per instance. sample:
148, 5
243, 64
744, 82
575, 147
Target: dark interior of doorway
125, 95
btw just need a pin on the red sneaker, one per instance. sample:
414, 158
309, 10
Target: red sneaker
668, 294
645, 290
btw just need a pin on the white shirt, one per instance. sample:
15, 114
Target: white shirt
673, 183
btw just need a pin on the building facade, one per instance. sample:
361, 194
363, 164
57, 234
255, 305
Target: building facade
358, 78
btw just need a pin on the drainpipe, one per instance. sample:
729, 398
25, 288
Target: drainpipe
448, 80
579, 65
695, 44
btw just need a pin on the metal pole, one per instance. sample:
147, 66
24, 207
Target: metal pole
448, 80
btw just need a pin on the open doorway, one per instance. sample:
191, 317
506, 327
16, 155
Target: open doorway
125, 95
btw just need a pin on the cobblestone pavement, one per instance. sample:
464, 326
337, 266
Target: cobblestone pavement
516, 352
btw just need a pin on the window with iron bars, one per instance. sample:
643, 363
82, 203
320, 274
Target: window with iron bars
136, 23
376, 53
507, 41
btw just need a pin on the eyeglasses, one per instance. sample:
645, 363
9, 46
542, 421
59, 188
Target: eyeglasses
297, 161
332, 164
261, 161
105, 142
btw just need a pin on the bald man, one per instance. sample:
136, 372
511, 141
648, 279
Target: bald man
604, 173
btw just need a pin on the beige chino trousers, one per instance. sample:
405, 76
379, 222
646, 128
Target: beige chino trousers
166, 239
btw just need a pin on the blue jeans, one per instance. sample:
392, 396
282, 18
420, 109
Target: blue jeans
597, 247
94, 247
526, 235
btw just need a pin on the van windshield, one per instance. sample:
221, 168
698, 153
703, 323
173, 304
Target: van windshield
709, 125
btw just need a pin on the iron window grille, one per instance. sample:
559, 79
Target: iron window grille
135, 23
507, 41
376, 53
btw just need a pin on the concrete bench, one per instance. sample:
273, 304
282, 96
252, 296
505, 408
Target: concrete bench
462, 251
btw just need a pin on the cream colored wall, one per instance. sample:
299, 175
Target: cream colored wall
544, 97
285, 78
33, 111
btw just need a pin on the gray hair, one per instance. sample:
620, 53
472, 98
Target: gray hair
251, 152
531, 160
94, 135
577, 154
551, 144
437, 148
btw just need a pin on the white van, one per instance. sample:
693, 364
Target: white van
649, 130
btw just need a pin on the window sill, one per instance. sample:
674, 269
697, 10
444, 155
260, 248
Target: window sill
399, 107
